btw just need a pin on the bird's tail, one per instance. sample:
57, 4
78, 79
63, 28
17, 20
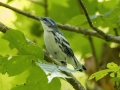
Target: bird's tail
78, 66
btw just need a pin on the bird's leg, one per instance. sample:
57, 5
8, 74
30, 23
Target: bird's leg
63, 63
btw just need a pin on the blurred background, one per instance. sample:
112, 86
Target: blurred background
95, 53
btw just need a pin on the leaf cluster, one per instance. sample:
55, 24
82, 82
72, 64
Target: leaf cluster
112, 69
30, 58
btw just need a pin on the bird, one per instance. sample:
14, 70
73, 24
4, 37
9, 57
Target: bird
57, 45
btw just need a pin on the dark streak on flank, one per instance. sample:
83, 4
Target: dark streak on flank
57, 40
68, 50
55, 52
65, 41
63, 63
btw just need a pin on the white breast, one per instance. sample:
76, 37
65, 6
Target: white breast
52, 47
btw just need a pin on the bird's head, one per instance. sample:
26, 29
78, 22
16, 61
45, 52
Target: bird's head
48, 23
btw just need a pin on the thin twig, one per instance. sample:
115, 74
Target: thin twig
73, 81
115, 84
93, 50
90, 22
66, 26
116, 32
116, 87
46, 7
3, 28
89, 32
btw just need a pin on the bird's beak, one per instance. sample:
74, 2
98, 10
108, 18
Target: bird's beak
41, 18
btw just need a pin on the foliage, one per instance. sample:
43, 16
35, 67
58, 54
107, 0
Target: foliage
112, 69
28, 56
21, 61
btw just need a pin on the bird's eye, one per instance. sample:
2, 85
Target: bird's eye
45, 19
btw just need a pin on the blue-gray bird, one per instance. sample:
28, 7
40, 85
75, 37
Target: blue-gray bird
57, 45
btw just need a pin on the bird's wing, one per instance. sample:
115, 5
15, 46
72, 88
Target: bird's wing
64, 45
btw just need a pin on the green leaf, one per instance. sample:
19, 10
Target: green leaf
27, 87
118, 73
54, 85
18, 64
37, 77
112, 74
77, 20
15, 65
37, 80
18, 40
112, 65
3, 60
100, 74
53, 71
115, 79
65, 7
109, 19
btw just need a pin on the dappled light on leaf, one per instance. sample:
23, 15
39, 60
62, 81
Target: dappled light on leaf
19, 41
53, 71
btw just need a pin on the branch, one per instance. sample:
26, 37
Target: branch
89, 20
106, 36
20, 12
68, 27
89, 32
73, 81
3, 28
